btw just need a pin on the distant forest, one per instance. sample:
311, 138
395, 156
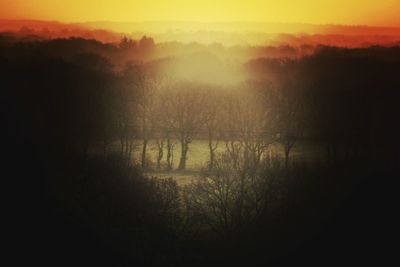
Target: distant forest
63, 98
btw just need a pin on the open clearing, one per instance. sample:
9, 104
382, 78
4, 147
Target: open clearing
198, 156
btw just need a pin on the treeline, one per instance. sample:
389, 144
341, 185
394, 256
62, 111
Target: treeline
249, 205
144, 48
84, 100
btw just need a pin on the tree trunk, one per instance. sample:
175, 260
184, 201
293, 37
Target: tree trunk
182, 161
122, 147
287, 154
212, 149
160, 145
126, 152
144, 154
131, 144
169, 153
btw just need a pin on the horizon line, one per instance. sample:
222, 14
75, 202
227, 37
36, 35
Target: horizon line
202, 22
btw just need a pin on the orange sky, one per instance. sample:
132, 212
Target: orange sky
366, 12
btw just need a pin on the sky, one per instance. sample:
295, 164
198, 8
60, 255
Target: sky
354, 12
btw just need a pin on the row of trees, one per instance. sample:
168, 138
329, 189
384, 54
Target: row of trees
283, 98
249, 204
284, 109
248, 117
137, 104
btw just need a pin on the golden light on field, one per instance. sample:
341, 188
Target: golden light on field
366, 12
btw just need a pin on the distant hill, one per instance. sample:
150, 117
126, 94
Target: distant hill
228, 34
37, 29
255, 33
262, 27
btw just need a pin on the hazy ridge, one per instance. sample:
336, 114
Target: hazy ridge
227, 33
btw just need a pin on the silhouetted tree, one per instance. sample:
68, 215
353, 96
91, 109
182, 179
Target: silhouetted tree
185, 114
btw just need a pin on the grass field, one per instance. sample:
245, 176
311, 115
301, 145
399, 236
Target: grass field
198, 156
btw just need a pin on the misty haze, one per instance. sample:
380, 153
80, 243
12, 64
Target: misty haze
195, 143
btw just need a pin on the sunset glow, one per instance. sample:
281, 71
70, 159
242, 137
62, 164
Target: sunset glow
360, 12
200, 132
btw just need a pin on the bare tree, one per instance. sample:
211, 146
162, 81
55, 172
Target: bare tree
250, 127
160, 149
126, 110
213, 123
291, 118
170, 151
160, 130
225, 199
184, 109
249, 124
146, 85
156, 124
